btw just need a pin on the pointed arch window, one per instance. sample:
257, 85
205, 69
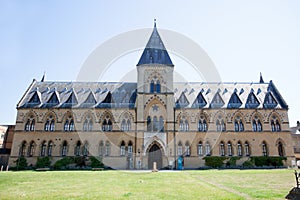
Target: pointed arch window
126, 125
50, 146
229, 149
77, 148
247, 149
187, 149
161, 124
202, 125
88, 124
64, 149
30, 124
239, 149
200, 149
101, 148
256, 124
43, 148
107, 149
179, 150
280, 149
158, 86
152, 87
222, 149
207, 149
149, 124
85, 151
130, 148
22, 150
69, 124
220, 124
184, 124
107, 124
265, 149
50, 124
155, 124
122, 148
275, 125
238, 124
31, 149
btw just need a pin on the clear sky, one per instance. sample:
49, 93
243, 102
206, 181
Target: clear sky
243, 38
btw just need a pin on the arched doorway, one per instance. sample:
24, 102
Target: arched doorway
155, 155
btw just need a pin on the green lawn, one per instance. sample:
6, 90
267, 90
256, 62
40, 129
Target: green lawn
207, 184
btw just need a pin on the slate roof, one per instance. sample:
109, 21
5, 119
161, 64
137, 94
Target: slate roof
123, 95
155, 51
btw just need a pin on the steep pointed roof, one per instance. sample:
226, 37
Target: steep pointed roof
155, 51
261, 80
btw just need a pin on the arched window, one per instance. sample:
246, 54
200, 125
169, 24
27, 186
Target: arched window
256, 124
85, 149
88, 124
275, 125
30, 124
238, 124
43, 148
179, 151
22, 150
161, 124
128, 125
184, 124
27, 125
31, 148
50, 124
149, 126
123, 125
66, 126
229, 149
222, 149
220, 124
202, 125
239, 149
155, 124
101, 148
107, 124
200, 149
107, 149
265, 149
50, 146
247, 149
280, 149
122, 149
77, 149
187, 149
130, 149
69, 124
158, 89
152, 87
207, 149
64, 148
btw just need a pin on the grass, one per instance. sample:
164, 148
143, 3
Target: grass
207, 184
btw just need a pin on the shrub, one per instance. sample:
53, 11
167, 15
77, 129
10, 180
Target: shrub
268, 161
248, 164
232, 161
214, 161
21, 163
96, 162
80, 161
64, 162
43, 162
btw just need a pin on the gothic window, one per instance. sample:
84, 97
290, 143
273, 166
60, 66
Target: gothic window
64, 148
184, 124
107, 149
107, 124
77, 149
155, 86
222, 149
229, 149
238, 124
280, 149
101, 148
158, 87
31, 148
275, 125
85, 151
50, 124
69, 124
122, 149
239, 149
43, 148
200, 149
265, 149
252, 101
202, 125
50, 146
220, 124
22, 150
152, 87
179, 151
234, 101
256, 124
247, 149
130, 149
53, 99
187, 149
30, 124
155, 124
161, 124
88, 124
207, 149
149, 124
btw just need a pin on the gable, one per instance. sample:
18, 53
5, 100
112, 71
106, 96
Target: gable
234, 101
199, 101
217, 101
252, 101
182, 101
270, 101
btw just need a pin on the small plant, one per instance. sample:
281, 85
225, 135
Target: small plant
96, 162
214, 161
232, 161
21, 163
64, 162
43, 162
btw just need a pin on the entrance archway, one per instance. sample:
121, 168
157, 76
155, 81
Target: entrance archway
155, 155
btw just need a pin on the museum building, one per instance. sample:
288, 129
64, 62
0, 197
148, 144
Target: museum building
131, 125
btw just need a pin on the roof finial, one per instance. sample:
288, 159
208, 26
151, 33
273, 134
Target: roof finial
43, 78
154, 23
261, 80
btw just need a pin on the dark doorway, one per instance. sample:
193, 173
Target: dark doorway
155, 155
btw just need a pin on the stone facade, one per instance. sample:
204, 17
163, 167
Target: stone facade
132, 125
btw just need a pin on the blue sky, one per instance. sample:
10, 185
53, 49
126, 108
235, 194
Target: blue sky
243, 38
